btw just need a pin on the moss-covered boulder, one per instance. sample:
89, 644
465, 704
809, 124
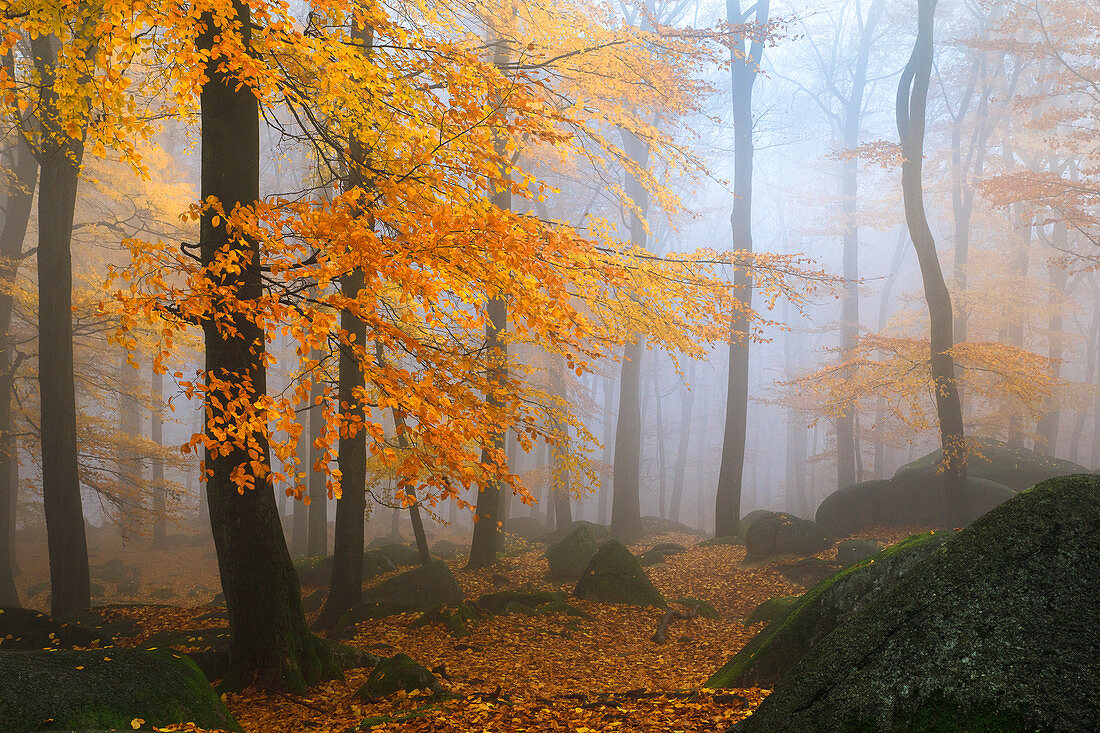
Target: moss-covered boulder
422, 587
614, 576
752, 518
771, 609
657, 554
397, 673
106, 689
997, 630
851, 551
993, 460
569, 557
23, 628
784, 534
911, 499
794, 629
659, 525
727, 539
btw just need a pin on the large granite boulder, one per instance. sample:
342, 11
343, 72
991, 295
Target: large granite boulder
105, 689
569, 557
798, 623
422, 587
996, 630
614, 576
784, 534
911, 499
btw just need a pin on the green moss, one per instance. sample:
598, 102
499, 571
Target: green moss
105, 689
776, 649
569, 557
614, 576
771, 609
398, 672
851, 551
498, 602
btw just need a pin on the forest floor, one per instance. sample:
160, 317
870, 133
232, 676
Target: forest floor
551, 672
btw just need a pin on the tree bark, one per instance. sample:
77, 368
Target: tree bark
910, 109
744, 68
486, 536
18, 198
626, 510
59, 159
269, 644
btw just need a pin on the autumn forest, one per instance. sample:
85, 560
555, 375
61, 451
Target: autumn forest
531, 365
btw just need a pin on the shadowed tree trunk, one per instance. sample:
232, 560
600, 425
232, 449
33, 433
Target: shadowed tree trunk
23, 171
626, 510
346, 582
269, 644
745, 65
487, 520
910, 109
59, 158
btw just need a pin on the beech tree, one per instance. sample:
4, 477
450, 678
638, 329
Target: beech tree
911, 105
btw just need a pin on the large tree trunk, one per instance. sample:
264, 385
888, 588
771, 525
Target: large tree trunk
486, 537
687, 401
910, 108
160, 509
269, 644
626, 510
59, 158
18, 196
744, 68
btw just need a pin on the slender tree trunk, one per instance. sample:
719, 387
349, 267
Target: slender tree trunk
687, 401
269, 644
346, 583
1015, 329
156, 430
662, 462
317, 525
744, 68
608, 449
59, 160
911, 103
18, 197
